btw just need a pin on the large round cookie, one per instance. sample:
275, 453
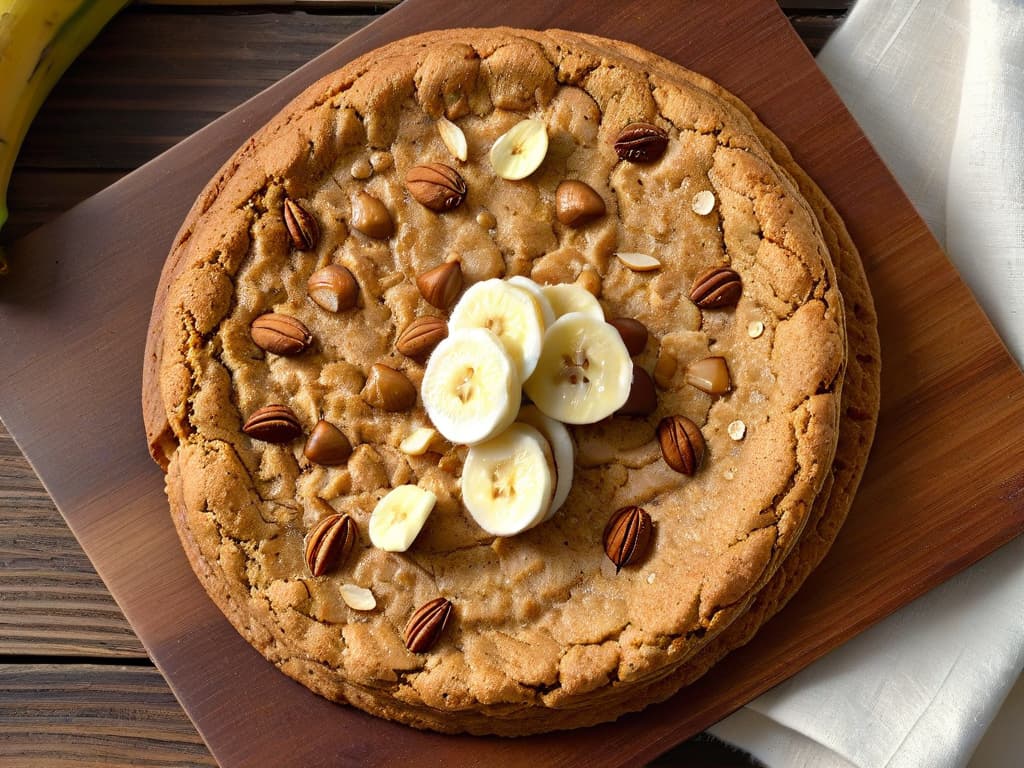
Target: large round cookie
545, 633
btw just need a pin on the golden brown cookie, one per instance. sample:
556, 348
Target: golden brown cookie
544, 631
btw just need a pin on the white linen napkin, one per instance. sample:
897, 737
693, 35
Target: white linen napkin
938, 87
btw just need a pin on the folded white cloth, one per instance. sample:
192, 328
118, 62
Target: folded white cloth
938, 87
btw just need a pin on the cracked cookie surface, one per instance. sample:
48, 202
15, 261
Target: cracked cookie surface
544, 634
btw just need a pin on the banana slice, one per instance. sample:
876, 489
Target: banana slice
507, 481
584, 373
471, 386
562, 448
520, 150
398, 518
534, 289
510, 313
567, 297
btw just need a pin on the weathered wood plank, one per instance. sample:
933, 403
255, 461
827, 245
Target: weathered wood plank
75, 715
51, 600
150, 79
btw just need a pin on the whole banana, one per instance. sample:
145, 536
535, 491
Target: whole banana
38, 40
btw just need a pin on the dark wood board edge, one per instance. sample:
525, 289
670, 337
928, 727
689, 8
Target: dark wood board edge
915, 244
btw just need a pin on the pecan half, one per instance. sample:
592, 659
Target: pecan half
425, 626
641, 143
273, 424
627, 536
280, 334
421, 336
682, 444
716, 288
436, 186
302, 227
330, 543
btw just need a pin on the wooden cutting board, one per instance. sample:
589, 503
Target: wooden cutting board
945, 485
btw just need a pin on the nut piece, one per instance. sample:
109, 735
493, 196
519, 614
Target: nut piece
441, 284
273, 424
755, 328
737, 429
453, 137
642, 400
639, 262
703, 202
421, 336
709, 375
280, 334
418, 441
641, 143
388, 389
627, 536
302, 227
633, 333
333, 288
327, 445
425, 626
682, 444
716, 288
358, 598
330, 543
371, 217
436, 186
577, 203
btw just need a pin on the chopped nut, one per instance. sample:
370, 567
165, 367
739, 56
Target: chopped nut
453, 137
333, 288
709, 375
639, 262
370, 216
703, 202
327, 445
755, 329
576, 203
736, 429
361, 169
388, 389
418, 441
358, 598
441, 284
633, 332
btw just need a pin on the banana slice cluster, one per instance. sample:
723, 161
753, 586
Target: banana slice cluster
507, 337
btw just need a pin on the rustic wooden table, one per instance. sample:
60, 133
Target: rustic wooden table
76, 686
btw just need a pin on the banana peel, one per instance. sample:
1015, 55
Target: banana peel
38, 41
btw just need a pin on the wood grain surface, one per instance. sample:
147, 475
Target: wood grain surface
55, 598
